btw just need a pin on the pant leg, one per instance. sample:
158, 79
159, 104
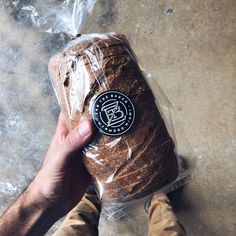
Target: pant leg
162, 220
83, 219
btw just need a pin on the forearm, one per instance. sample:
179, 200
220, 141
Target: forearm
56, 189
29, 215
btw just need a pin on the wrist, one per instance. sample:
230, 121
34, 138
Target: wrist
40, 213
35, 197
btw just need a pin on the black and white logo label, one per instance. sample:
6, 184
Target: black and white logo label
113, 113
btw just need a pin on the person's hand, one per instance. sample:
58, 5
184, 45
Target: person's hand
56, 189
63, 179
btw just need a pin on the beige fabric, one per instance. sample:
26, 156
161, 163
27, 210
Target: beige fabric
83, 219
161, 218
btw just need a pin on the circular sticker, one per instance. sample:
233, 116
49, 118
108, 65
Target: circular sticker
113, 113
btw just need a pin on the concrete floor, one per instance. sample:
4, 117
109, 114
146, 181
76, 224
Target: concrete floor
188, 47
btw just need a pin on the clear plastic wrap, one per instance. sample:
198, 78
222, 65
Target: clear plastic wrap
54, 16
133, 152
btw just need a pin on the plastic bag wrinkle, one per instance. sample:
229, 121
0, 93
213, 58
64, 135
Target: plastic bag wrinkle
66, 17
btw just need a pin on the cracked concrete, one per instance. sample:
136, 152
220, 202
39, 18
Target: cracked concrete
188, 47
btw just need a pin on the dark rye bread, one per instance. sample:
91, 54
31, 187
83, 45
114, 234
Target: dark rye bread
129, 166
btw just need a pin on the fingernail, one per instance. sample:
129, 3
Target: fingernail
84, 128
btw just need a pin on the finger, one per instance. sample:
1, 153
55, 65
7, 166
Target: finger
78, 137
62, 128
59, 136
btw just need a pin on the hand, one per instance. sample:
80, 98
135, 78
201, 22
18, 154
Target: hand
63, 178
56, 189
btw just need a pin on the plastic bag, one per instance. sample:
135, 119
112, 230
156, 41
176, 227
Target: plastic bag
132, 153
55, 16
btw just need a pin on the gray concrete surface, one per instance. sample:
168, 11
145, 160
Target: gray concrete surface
188, 47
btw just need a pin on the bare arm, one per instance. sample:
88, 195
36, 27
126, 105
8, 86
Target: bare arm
56, 189
29, 215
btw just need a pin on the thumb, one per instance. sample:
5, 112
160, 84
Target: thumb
78, 137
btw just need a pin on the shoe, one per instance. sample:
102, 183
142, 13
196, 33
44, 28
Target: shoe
93, 197
90, 190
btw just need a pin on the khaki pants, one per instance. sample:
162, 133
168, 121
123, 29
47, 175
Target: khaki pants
83, 219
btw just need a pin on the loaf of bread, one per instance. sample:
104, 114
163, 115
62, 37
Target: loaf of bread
124, 165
